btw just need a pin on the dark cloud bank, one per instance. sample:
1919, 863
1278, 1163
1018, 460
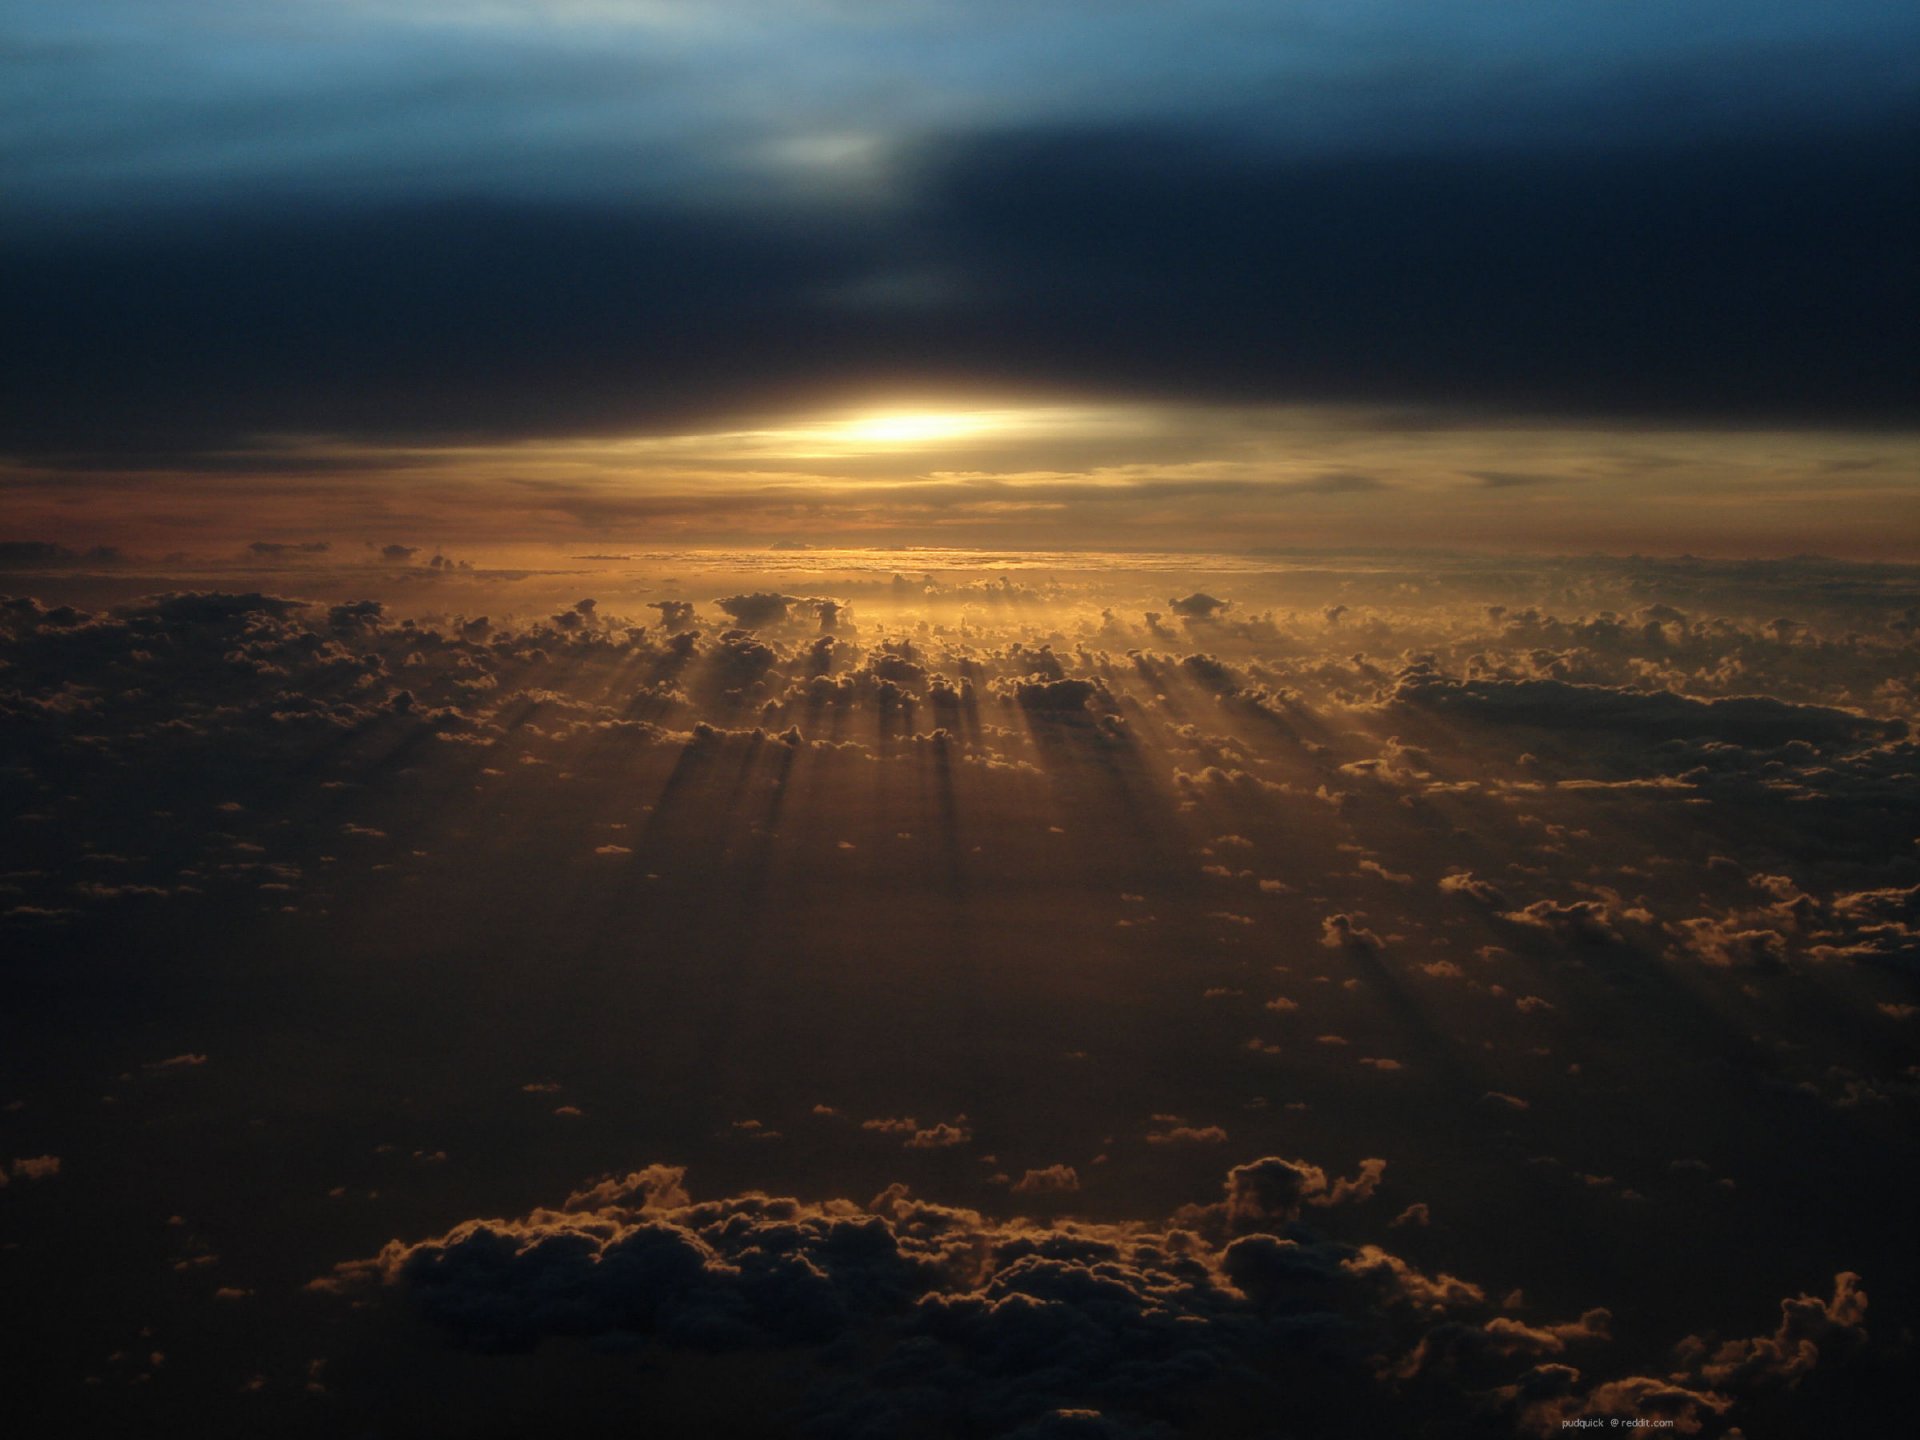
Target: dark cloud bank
1752, 279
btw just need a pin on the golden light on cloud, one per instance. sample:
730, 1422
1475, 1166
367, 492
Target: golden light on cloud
925, 468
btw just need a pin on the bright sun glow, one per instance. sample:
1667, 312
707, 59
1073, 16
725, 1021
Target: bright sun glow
909, 428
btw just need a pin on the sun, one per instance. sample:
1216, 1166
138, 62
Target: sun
910, 427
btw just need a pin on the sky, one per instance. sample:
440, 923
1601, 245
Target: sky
510, 274
927, 721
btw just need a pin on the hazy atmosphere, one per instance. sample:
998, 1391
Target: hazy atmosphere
994, 722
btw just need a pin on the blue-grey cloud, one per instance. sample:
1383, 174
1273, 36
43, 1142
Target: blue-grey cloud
542, 219
1759, 280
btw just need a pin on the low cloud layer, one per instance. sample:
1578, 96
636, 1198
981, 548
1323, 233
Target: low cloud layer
1370, 992
1014, 1324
